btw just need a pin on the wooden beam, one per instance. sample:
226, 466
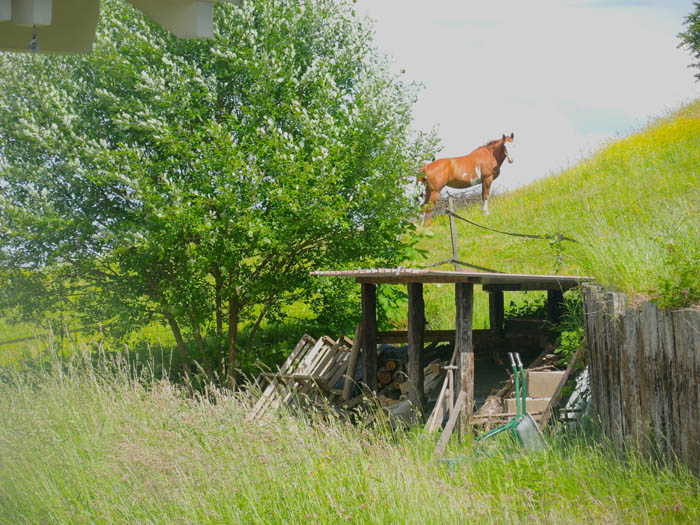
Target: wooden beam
449, 427
352, 363
416, 328
464, 306
496, 311
369, 330
508, 341
427, 279
531, 285
401, 336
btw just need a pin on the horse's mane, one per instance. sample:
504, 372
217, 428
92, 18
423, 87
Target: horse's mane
490, 143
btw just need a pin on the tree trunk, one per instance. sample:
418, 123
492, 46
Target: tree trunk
218, 286
233, 312
180, 342
202, 350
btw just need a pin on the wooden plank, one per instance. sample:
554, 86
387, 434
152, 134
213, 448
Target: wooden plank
603, 397
615, 304
590, 337
339, 366
681, 374
644, 387
602, 321
352, 363
653, 356
369, 328
416, 327
449, 427
446, 396
666, 344
464, 306
496, 312
428, 279
498, 283
628, 376
694, 330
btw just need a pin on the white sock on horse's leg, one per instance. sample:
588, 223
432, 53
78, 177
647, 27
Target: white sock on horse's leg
485, 207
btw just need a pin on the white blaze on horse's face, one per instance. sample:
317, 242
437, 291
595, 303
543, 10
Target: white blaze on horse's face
508, 147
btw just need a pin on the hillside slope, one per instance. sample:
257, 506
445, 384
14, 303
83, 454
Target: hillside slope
634, 206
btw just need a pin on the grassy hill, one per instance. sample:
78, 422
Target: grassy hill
634, 206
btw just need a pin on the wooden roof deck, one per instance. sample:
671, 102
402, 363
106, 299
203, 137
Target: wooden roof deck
489, 281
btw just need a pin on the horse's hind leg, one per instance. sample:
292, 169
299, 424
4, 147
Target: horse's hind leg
485, 191
429, 203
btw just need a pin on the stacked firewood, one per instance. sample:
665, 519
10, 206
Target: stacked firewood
394, 384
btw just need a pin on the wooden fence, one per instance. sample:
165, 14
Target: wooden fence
644, 367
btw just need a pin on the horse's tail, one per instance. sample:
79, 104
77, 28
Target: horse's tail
421, 173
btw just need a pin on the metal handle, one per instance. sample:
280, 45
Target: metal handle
512, 360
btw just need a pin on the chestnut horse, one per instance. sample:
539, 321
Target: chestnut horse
481, 166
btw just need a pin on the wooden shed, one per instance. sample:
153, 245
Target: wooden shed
464, 280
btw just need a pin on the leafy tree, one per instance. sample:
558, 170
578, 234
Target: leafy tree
690, 39
200, 181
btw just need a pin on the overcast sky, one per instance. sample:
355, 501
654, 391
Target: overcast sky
563, 75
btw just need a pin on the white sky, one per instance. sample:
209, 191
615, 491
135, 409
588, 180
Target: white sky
563, 75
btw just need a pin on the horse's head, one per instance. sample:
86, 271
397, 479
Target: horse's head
506, 140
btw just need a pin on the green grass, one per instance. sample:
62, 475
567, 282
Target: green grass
634, 205
83, 444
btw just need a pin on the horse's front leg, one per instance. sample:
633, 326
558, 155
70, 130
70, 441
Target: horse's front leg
485, 191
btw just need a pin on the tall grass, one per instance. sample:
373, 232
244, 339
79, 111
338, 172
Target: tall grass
83, 443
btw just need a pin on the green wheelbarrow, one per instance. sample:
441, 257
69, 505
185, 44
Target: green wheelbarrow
522, 426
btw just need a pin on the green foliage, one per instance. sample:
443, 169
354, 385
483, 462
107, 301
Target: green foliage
680, 287
569, 342
690, 39
532, 306
199, 182
571, 328
392, 305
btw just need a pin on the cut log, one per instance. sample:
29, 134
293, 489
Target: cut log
384, 376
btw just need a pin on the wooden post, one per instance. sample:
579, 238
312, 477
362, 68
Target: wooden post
555, 301
496, 311
352, 363
453, 233
416, 335
369, 334
464, 306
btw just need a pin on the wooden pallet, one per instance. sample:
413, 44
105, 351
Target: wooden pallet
308, 374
